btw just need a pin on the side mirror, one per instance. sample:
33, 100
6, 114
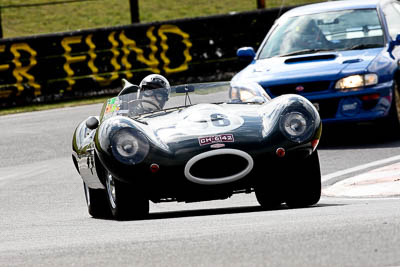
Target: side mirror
184, 88
92, 123
246, 54
397, 42
394, 43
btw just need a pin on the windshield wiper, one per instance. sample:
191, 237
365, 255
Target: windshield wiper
363, 46
305, 51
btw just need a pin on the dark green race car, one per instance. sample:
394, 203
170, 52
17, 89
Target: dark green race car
204, 142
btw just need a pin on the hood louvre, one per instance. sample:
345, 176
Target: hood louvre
310, 58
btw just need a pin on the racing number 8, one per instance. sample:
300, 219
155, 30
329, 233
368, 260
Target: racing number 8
219, 120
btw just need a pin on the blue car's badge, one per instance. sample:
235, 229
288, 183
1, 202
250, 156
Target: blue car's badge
299, 88
350, 106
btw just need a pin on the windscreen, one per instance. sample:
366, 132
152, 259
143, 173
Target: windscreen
336, 30
159, 100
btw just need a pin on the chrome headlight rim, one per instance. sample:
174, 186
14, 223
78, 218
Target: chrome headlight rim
296, 126
357, 81
129, 146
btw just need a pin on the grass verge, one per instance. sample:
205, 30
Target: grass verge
30, 20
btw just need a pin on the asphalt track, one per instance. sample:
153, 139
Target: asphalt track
44, 222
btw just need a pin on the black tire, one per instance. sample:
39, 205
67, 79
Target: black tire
304, 183
97, 204
269, 193
392, 121
125, 202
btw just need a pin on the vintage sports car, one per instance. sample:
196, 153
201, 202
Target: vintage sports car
206, 142
343, 56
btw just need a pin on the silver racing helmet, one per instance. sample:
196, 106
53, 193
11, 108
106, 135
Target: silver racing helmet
155, 81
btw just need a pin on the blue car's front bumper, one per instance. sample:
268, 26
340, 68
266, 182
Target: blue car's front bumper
353, 106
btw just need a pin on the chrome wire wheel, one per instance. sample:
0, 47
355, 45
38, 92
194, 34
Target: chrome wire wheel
110, 184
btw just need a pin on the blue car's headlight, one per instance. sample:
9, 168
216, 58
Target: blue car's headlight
356, 81
129, 146
296, 126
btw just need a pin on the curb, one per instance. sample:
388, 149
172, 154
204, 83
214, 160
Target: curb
380, 182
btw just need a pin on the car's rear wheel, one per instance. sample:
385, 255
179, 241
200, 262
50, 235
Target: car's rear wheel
97, 204
304, 183
125, 202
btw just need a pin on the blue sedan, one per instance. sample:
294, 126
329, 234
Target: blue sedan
344, 56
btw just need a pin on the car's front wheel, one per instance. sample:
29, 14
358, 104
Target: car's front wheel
125, 202
96, 200
304, 183
392, 122
269, 192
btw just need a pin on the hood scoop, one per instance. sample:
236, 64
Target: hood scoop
356, 60
310, 58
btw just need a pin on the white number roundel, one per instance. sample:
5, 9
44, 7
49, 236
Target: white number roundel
208, 119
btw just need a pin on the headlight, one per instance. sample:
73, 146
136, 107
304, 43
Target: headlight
357, 81
129, 146
296, 126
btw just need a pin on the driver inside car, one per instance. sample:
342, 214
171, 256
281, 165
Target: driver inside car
304, 35
151, 94
156, 88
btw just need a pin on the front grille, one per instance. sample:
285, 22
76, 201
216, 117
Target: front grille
328, 108
218, 166
309, 87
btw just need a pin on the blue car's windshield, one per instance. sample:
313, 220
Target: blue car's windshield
155, 100
338, 30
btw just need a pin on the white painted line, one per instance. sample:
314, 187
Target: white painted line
359, 168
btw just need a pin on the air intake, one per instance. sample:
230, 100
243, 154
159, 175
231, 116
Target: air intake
218, 166
309, 58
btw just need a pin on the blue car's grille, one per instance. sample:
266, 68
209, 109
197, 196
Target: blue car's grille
297, 88
328, 107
